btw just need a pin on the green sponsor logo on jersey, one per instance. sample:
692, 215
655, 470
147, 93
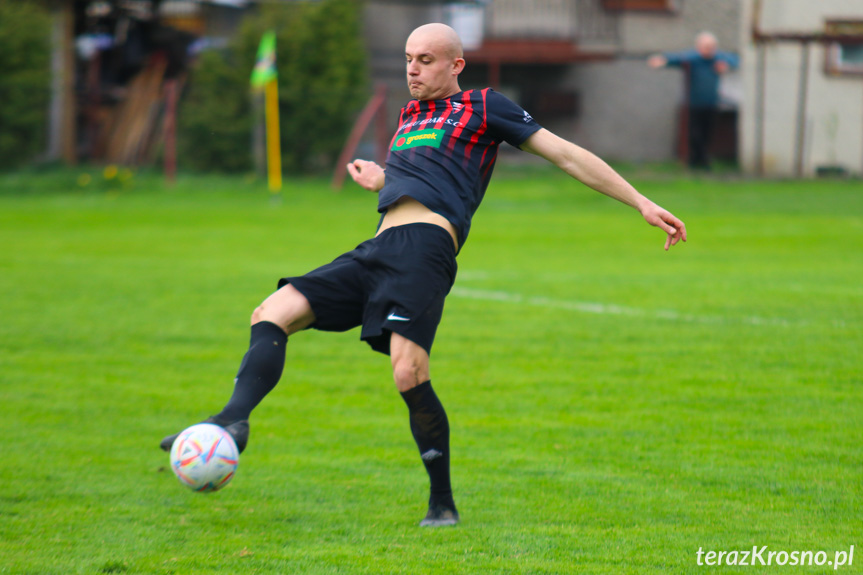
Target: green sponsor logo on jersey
431, 138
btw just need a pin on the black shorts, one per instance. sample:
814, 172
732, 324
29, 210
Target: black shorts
395, 282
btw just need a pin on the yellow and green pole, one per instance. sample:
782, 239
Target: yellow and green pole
264, 76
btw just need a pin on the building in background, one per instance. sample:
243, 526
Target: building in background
794, 108
577, 65
802, 113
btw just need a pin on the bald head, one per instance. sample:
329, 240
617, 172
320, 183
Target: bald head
435, 58
706, 44
441, 36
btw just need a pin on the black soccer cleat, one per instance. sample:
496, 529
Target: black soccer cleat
239, 430
439, 516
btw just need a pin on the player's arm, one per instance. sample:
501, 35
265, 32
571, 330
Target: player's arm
367, 174
590, 170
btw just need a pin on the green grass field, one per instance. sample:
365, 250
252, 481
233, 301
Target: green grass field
615, 408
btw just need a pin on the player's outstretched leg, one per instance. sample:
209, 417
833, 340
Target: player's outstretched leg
259, 373
429, 426
263, 363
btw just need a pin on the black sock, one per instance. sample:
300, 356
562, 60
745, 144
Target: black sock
430, 429
259, 372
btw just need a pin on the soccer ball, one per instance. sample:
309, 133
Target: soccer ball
204, 457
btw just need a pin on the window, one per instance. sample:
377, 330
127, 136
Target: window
641, 5
845, 56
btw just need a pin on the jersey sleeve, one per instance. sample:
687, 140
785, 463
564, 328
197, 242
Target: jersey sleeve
730, 58
677, 59
507, 121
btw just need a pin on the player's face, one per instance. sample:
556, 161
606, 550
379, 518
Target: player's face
432, 72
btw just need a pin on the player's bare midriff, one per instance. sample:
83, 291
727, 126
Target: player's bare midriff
407, 210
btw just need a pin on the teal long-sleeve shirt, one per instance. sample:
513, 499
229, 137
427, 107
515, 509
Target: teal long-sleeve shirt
704, 79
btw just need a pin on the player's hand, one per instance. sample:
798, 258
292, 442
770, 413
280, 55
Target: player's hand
667, 222
367, 174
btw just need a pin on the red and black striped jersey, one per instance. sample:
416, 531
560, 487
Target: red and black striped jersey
444, 151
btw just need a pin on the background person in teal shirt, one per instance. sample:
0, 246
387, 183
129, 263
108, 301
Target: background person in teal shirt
704, 64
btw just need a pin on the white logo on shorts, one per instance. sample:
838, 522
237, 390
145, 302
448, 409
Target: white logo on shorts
394, 317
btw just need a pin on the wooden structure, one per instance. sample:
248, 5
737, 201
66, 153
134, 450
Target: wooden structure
108, 110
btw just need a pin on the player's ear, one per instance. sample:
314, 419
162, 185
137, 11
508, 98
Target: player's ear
457, 66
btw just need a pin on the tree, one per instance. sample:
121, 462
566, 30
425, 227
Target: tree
25, 55
320, 59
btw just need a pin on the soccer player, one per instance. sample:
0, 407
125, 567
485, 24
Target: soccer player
393, 285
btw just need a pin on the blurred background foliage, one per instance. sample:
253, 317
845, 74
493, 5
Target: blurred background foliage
322, 79
322, 84
25, 76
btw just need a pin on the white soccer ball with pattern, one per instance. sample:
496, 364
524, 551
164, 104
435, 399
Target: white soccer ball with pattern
204, 457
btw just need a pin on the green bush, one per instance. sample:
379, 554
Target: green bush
320, 59
25, 55
215, 119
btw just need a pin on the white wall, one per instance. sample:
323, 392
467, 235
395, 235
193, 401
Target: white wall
647, 32
834, 104
628, 111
